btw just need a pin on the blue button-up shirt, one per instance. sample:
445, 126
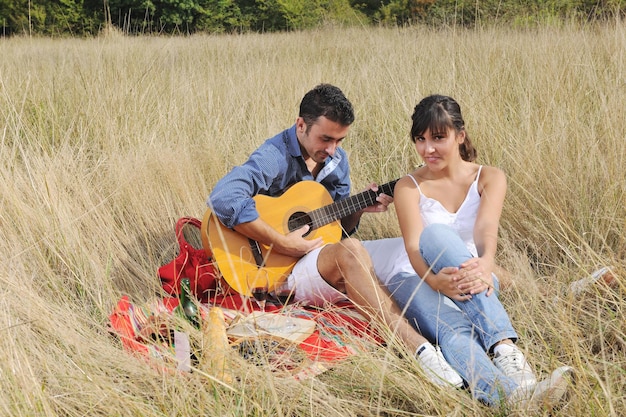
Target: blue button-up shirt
271, 170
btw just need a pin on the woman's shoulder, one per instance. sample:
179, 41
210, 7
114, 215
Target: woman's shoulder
491, 175
489, 171
411, 179
404, 183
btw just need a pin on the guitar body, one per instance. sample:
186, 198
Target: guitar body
233, 252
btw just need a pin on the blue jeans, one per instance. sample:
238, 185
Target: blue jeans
465, 330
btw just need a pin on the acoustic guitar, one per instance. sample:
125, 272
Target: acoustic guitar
306, 202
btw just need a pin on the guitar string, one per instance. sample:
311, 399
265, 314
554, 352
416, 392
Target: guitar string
324, 215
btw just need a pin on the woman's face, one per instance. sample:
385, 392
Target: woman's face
437, 149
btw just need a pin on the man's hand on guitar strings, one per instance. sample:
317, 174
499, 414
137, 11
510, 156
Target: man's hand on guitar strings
294, 244
383, 201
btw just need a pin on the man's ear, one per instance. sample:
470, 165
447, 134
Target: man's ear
300, 125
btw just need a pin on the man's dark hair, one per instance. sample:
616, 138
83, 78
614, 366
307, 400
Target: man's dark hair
328, 101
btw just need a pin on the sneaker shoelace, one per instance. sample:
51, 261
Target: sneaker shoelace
512, 363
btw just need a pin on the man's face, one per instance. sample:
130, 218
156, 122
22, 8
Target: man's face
321, 140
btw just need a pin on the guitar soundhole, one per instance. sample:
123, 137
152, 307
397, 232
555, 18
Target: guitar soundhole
299, 219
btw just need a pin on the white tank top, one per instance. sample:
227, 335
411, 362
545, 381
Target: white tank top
462, 221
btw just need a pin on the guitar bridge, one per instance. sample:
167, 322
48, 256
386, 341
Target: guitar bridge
256, 252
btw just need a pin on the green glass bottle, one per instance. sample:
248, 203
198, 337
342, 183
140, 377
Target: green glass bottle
187, 306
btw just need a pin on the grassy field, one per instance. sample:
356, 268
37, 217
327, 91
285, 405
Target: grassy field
106, 142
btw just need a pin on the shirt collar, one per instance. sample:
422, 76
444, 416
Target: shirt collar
292, 142
329, 165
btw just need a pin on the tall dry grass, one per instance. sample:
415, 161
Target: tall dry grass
106, 142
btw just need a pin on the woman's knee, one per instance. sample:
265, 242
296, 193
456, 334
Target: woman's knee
441, 246
436, 233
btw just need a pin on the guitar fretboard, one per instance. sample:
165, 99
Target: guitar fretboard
340, 209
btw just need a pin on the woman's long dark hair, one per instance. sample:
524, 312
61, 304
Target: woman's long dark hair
440, 113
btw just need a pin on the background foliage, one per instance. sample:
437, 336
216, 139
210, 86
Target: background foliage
88, 17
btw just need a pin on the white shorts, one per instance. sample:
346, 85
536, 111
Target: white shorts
388, 257
311, 288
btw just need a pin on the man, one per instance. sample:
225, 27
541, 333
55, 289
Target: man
309, 150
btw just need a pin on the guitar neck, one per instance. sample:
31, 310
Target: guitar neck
343, 208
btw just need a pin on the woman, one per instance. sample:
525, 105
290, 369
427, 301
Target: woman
449, 210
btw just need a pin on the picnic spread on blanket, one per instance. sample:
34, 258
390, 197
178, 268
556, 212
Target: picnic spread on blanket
201, 324
317, 339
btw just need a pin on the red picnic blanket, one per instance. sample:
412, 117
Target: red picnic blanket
340, 331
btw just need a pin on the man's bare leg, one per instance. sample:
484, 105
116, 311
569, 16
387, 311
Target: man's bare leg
347, 266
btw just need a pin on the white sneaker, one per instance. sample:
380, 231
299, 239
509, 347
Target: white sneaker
436, 368
511, 361
547, 393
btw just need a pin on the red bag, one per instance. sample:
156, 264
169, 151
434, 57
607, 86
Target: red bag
191, 263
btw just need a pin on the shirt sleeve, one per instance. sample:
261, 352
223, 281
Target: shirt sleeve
231, 199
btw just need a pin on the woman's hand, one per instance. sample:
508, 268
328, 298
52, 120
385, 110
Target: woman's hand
474, 277
446, 283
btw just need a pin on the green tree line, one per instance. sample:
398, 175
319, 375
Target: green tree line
89, 17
